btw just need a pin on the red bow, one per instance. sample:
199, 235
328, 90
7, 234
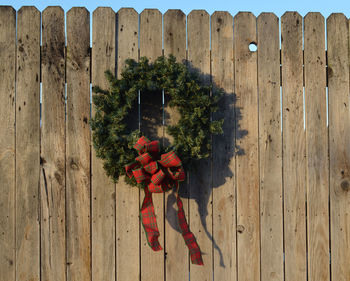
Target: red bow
159, 174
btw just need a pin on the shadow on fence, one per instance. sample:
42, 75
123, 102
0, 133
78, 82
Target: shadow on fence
224, 149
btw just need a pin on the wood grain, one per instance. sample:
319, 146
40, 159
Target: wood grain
53, 142
152, 263
224, 195
177, 254
175, 34
316, 147
28, 144
339, 145
248, 228
200, 212
270, 148
294, 164
78, 145
102, 188
7, 142
127, 204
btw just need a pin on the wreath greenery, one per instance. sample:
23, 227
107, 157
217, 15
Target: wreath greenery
113, 139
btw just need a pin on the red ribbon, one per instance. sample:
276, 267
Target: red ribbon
159, 174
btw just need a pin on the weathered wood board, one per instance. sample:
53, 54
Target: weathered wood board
7, 142
28, 144
152, 263
339, 144
224, 188
78, 193
316, 148
127, 199
53, 145
177, 254
294, 163
247, 183
200, 205
270, 148
102, 188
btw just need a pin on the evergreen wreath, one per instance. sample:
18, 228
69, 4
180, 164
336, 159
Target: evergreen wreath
114, 141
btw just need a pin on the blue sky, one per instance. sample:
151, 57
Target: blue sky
255, 6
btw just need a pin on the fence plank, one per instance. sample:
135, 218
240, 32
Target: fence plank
177, 253
200, 181
248, 250
224, 196
78, 145
7, 141
316, 147
152, 263
28, 148
339, 145
28, 144
270, 148
103, 188
127, 204
293, 147
52, 174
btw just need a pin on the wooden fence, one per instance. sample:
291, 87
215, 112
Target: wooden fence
272, 204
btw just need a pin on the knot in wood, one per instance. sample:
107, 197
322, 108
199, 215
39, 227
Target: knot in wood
345, 185
240, 228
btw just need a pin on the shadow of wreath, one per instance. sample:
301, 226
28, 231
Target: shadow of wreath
224, 148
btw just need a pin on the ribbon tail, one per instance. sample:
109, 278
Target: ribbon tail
190, 240
149, 222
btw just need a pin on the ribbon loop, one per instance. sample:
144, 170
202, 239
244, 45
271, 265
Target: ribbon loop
153, 147
140, 175
140, 144
151, 168
144, 158
158, 177
170, 159
159, 174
